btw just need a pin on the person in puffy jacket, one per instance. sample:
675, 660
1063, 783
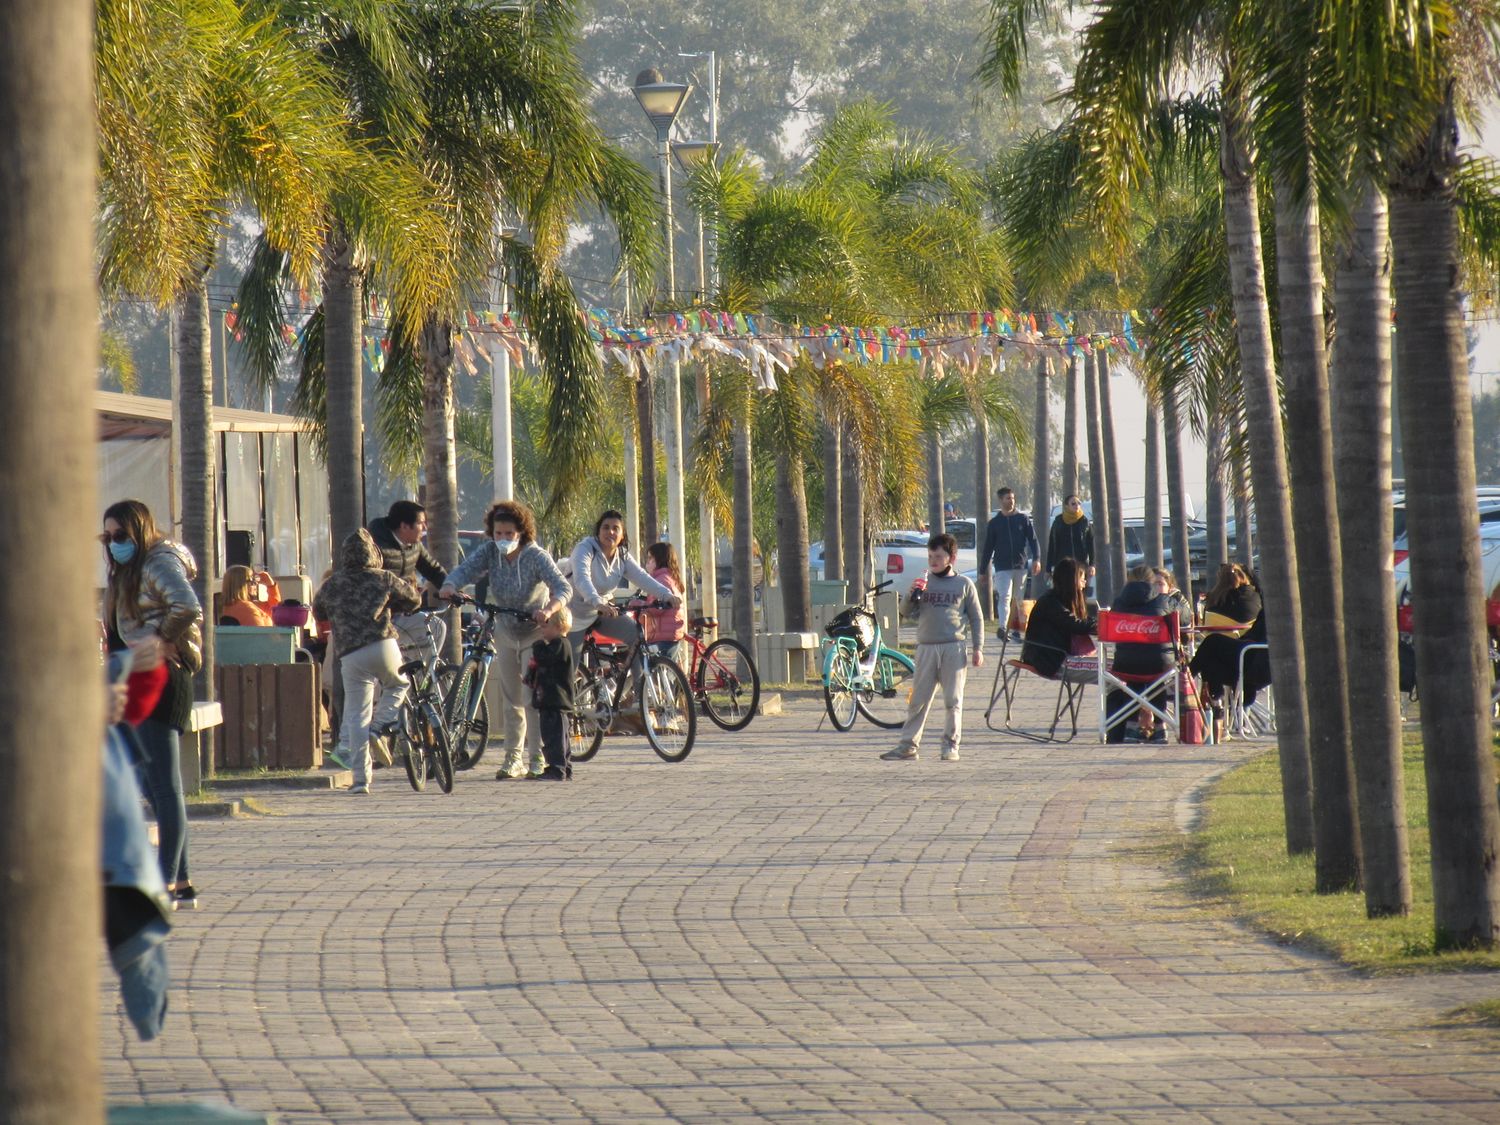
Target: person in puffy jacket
149, 594
360, 599
665, 628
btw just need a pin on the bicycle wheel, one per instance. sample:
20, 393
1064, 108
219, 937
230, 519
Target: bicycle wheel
884, 701
413, 752
435, 738
467, 737
839, 673
667, 709
592, 716
728, 685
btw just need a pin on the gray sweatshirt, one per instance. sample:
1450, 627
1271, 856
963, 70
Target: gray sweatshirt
526, 581
949, 600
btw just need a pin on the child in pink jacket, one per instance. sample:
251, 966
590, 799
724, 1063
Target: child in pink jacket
665, 627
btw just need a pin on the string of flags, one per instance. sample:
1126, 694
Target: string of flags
961, 341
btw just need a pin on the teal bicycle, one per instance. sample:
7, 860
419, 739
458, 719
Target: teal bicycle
860, 675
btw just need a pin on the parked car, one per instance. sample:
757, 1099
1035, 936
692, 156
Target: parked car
901, 555
1489, 562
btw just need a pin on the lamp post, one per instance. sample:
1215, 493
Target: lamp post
662, 102
690, 154
502, 449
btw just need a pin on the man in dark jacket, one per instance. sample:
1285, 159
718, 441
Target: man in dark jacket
398, 535
1009, 542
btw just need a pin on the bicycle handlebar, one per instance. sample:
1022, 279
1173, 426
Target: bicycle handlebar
490, 610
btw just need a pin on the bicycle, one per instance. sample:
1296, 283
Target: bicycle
465, 710
610, 668
420, 731
860, 674
726, 683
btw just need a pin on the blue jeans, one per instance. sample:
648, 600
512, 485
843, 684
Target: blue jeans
162, 773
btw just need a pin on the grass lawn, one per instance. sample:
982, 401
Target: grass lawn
1239, 856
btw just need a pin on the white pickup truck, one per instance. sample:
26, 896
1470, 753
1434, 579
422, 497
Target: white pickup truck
901, 556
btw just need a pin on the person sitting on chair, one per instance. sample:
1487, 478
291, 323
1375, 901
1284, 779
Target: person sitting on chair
1058, 616
239, 604
1144, 594
1232, 605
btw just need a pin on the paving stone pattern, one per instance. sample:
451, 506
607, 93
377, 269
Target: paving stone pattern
782, 928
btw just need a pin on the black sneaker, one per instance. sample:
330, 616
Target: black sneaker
185, 898
551, 773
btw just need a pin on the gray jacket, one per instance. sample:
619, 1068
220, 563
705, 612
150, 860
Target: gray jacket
949, 602
167, 606
527, 581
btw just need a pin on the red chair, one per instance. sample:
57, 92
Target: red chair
1130, 628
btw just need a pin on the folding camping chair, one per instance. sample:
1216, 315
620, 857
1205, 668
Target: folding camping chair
1138, 687
1076, 673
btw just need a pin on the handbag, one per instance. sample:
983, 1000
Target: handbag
1190, 727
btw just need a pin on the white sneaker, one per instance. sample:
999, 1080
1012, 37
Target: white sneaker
359, 788
950, 753
900, 754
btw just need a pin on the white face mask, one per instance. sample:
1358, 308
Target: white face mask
506, 546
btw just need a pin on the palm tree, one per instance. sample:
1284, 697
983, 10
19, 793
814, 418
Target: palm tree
49, 1050
1070, 429
1041, 433
1151, 541
833, 502
1115, 511
1105, 580
202, 106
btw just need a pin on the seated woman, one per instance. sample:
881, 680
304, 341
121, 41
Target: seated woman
1145, 595
1058, 617
240, 605
1233, 603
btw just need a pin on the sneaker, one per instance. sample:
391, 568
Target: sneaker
502, 775
338, 759
1014, 636
380, 752
950, 753
363, 789
551, 773
185, 898
900, 754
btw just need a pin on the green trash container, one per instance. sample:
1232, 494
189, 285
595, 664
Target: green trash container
829, 591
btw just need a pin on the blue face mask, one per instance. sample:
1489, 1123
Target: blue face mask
122, 553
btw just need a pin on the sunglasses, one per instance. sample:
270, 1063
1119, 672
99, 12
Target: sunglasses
119, 535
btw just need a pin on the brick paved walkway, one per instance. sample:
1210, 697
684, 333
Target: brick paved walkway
783, 927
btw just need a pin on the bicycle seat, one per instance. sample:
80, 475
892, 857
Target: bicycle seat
411, 667
705, 623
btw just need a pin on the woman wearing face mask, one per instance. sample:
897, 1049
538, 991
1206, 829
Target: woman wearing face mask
150, 594
521, 576
602, 564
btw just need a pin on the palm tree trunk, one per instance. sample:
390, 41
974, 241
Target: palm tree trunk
1361, 389
49, 804
1070, 429
791, 544
1299, 265
440, 458
343, 374
1104, 579
935, 521
743, 602
1041, 432
982, 502
833, 506
1244, 531
1214, 502
1268, 466
1151, 536
645, 414
853, 516
195, 441
1442, 523
1176, 493
1115, 503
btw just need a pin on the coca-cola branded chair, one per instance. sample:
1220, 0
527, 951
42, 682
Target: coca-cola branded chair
1141, 690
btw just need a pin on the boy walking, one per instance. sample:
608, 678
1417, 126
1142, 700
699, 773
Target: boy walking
946, 604
550, 677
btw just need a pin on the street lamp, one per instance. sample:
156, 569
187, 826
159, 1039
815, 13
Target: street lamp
662, 102
501, 448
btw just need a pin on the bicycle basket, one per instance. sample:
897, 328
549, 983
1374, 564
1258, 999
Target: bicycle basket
856, 624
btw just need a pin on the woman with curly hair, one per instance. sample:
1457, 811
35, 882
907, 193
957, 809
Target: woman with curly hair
523, 576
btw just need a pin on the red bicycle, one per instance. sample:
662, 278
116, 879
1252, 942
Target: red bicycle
726, 684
